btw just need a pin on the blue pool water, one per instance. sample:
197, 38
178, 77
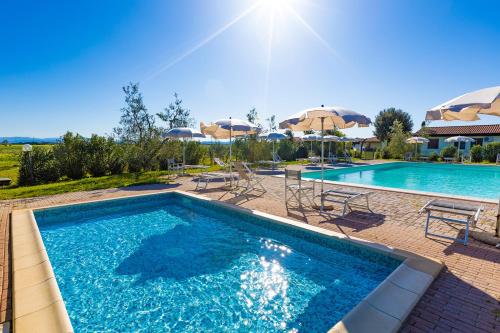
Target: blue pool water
466, 180
169, 263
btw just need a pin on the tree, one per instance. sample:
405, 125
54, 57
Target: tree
397, 145
176, 115
271, 121
252, 116
138, 131
385, 120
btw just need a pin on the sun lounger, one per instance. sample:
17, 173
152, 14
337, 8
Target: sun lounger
332, 158
448, 159
314, 159
252, 182
274, 163
347, 198
423, 158
468, 214
408, 156
498, 159
5, 181
207, 177
172, 165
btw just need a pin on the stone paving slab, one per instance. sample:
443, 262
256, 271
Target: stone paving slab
465, 297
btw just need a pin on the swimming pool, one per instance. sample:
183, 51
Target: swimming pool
168, 262
463, 180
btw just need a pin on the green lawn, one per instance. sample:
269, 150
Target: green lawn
85, 184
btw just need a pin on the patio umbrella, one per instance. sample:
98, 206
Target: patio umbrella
468, 106
459, 139
275, 136
416, 140
324, 117
183, 133
311, 138
227, 129
330, 139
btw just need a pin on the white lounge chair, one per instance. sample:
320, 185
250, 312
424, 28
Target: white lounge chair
347, 198
294, 186
498, 159
332, 158
172, 165
408, 156
347, 157
252, 182
469, 216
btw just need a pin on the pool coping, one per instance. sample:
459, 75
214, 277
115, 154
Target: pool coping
37, 300
393, 189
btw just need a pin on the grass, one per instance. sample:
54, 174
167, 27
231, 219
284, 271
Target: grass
85, 184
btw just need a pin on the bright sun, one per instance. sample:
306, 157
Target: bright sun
273, 5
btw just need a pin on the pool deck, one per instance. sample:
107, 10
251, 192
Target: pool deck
465, 297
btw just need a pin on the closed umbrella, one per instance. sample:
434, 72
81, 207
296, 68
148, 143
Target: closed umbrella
459, 139
227, 129
416, 140
468, 106
183, 133
317, 119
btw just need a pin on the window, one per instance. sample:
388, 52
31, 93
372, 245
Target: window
433, 144
462, 145
479, 141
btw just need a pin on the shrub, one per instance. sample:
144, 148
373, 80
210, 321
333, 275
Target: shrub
301, 152
71, 155
286, 150
99, 150
434, 157
219, 150
476, 153
381, 153
449, 151
490, 151
195, 152
117, 160
37, 167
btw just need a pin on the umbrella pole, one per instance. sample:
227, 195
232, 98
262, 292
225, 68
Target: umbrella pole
230, 158
183, 156
322, 157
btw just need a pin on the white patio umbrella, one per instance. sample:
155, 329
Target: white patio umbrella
227, 129
330, 139
416, 140
459, 139
311, 138
183, 133
275, 136
321, 118
468, 106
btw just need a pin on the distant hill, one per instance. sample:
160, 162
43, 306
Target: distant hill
24, 139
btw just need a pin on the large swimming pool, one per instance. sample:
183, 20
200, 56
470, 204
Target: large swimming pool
464, 180
170, 263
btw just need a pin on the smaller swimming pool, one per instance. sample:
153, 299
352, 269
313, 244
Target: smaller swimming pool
463, 180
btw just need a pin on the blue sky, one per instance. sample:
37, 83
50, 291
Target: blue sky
63, 63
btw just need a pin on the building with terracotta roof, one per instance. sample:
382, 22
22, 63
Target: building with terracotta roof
483, 134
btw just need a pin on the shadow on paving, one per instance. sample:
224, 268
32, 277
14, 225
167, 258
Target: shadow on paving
355, 220
452, 304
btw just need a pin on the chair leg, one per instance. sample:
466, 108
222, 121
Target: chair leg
427, 223
466, 239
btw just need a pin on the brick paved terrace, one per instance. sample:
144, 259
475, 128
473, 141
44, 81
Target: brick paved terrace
464, 298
